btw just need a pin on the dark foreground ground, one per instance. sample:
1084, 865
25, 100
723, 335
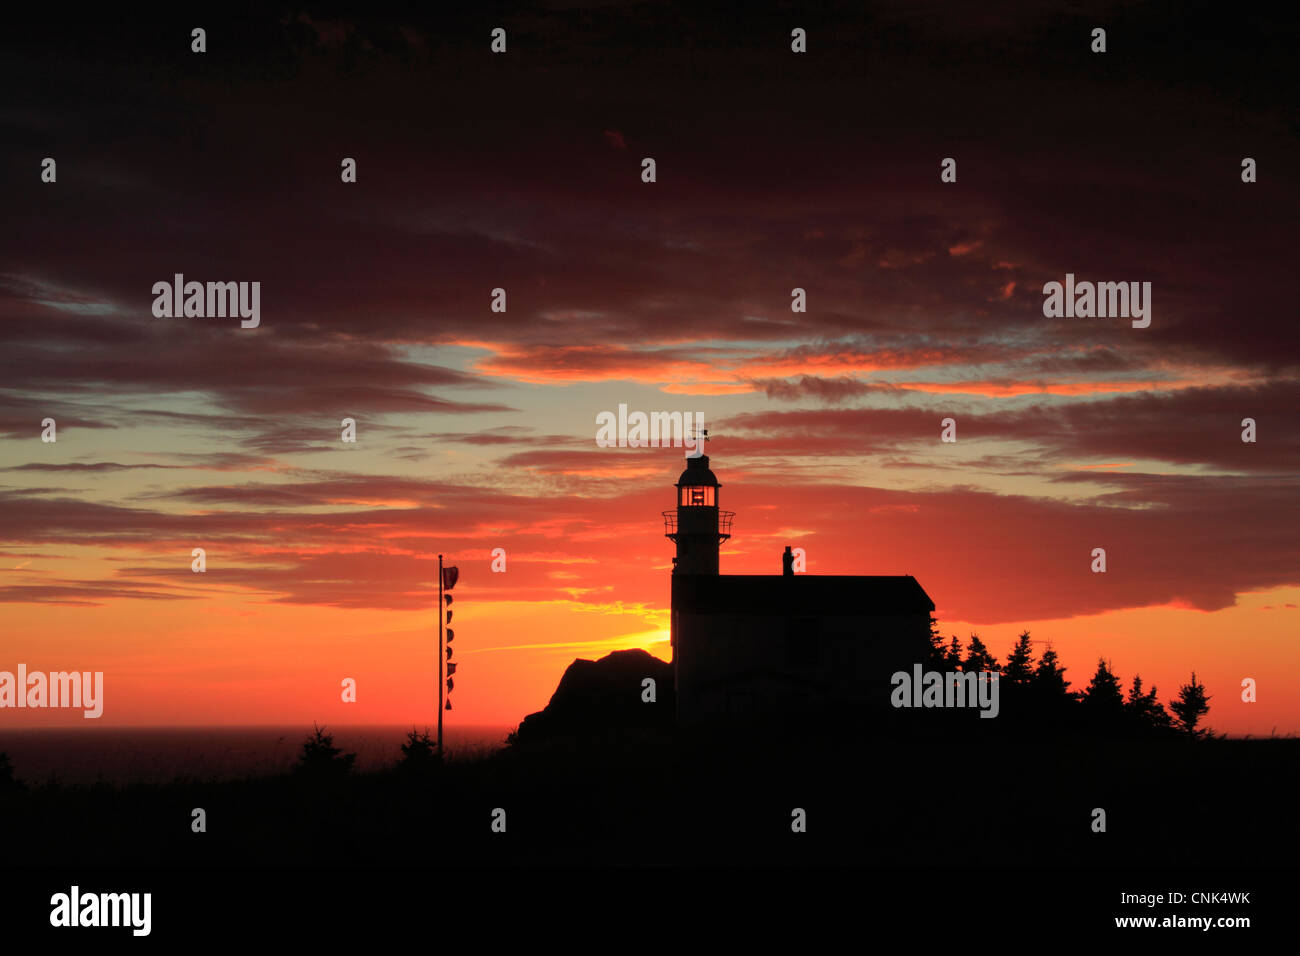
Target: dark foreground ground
946, 799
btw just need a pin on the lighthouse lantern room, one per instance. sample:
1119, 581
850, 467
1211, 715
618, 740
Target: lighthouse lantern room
697, 526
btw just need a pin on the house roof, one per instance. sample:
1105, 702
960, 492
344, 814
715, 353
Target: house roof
811, 595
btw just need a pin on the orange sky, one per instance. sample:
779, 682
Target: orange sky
237, 660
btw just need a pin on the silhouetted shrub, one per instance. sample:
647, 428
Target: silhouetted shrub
420, 755
321, 759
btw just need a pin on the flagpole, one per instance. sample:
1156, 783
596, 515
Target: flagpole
440, 620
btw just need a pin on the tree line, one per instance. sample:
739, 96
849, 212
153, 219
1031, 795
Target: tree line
1036, 690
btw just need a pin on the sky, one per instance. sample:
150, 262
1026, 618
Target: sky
476, 429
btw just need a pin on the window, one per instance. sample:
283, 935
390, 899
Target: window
698, 496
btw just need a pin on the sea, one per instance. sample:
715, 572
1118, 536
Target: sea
124, 755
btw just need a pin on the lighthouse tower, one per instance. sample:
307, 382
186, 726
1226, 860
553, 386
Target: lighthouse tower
697, 526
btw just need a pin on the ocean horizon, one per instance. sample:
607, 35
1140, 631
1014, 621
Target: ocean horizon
147, 754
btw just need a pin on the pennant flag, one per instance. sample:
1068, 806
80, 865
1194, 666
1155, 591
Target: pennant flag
449, 578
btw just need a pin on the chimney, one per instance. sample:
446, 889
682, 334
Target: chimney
787, 562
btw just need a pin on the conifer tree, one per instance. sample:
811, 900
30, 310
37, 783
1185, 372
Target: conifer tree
953, 657
1049, 677
978, 657
419, 753
1103, 699
320, 758
938, 652
1146, 713
1192, 704
1020, 663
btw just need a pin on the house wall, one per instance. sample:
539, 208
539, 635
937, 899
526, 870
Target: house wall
739, 665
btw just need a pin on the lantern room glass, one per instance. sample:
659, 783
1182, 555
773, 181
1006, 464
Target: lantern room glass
698, 496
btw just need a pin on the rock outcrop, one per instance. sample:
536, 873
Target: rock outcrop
597, 698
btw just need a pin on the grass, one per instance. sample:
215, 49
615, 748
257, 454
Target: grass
947, 797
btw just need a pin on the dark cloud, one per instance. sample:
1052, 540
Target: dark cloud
1190, 426
1169, 539
829, 390
98, 466
82, 593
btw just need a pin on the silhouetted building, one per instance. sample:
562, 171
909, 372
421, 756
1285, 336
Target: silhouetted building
781, 646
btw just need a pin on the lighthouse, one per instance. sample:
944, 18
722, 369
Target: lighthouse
750, 648
696, 526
